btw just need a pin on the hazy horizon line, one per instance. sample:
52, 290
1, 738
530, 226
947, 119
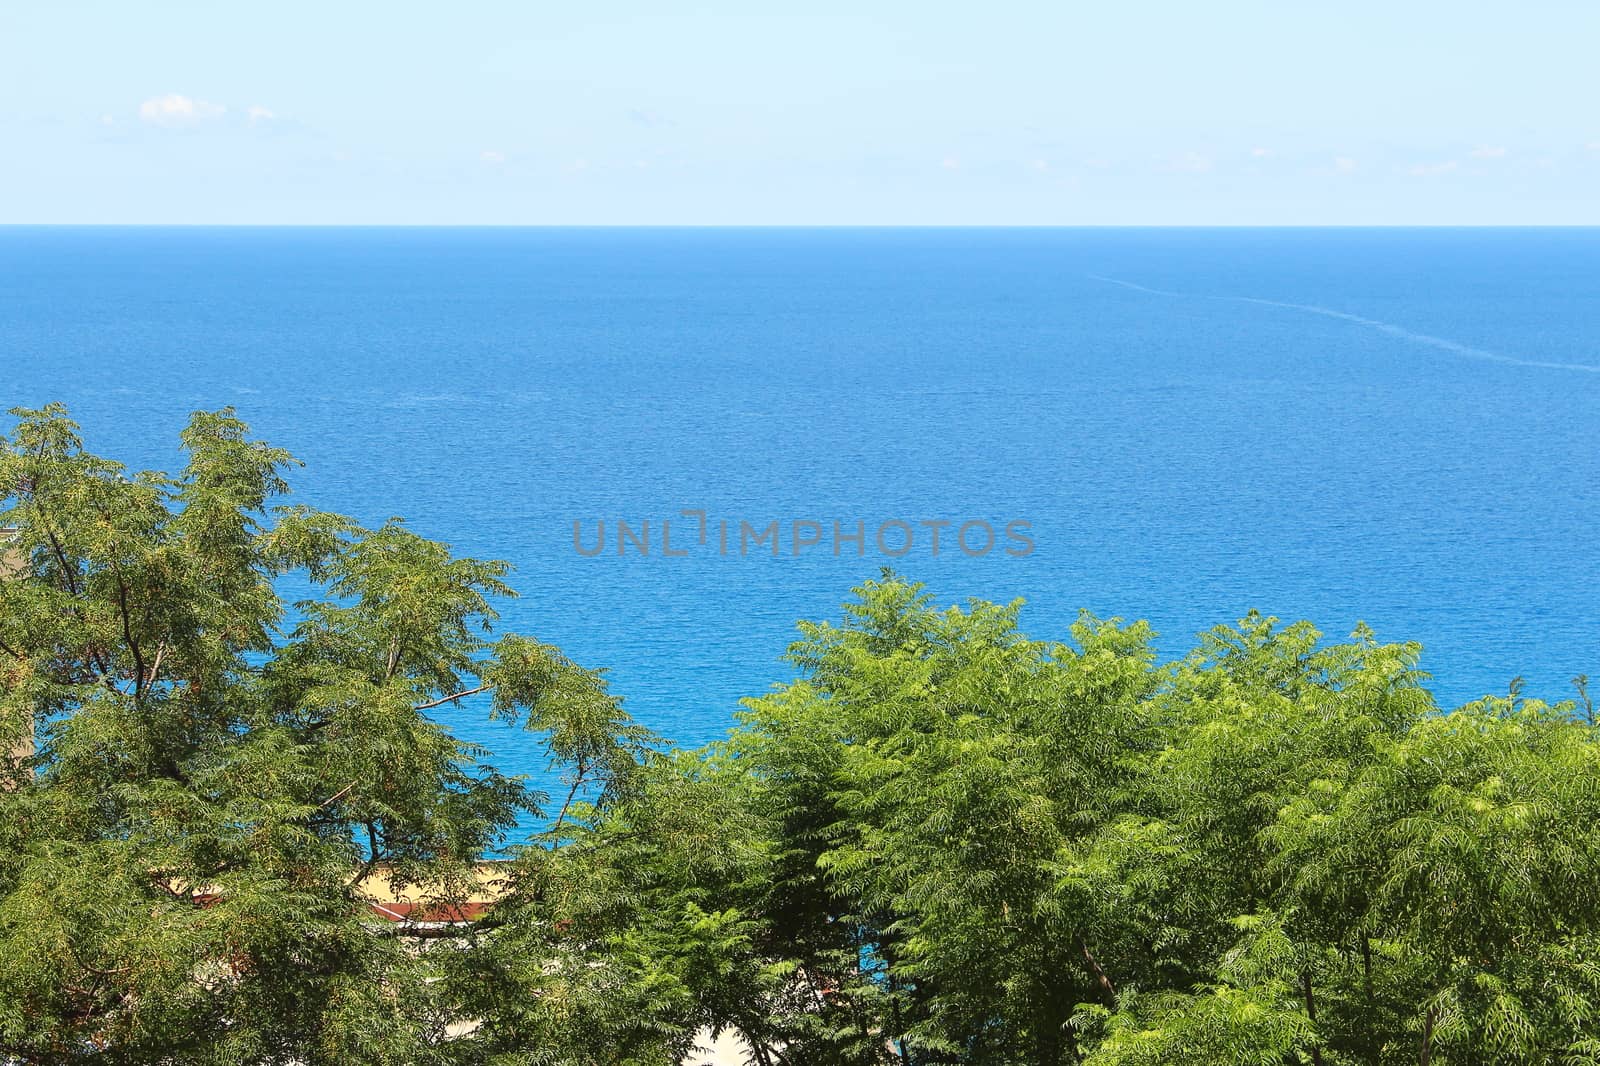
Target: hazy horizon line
817, 225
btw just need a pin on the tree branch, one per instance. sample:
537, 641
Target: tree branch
372, 858
336, 797
155, 668
451, 698
577, 782
127, 633
1100, 977
67, 572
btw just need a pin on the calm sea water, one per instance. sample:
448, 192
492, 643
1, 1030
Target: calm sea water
1396, 426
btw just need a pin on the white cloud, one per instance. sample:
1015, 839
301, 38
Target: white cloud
1041, 165
950, 162
1344, 164
256, 113
1432, 170
492, 157
1488, 152
107, 120
1261, 153
1593, 146
175, 109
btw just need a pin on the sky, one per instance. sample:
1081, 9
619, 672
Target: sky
875, 112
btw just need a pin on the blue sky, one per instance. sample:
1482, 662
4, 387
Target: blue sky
621, 112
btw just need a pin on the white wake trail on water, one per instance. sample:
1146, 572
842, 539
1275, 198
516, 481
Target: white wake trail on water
1442, 343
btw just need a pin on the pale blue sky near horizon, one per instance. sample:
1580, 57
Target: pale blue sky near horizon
889, 113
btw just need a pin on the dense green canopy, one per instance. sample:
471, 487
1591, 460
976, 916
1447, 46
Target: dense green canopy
942, 843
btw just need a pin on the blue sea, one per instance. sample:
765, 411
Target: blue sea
1390, 426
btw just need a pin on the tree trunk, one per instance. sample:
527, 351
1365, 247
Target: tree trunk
899, 1024
1100, 978
1311, 1013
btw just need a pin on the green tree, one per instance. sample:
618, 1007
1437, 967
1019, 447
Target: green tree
929, 779
635, 936
201, 774
943, 842
1277, 849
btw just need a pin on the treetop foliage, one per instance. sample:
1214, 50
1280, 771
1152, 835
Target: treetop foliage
942, 842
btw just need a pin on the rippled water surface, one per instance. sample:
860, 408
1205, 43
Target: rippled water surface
1396, 426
